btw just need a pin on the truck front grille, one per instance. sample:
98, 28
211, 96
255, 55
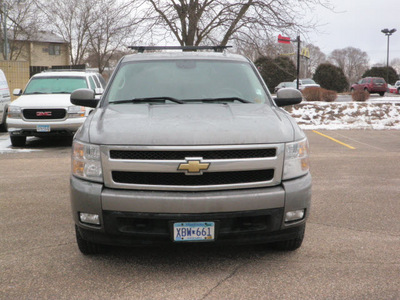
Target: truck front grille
170, 155
192, 168
44, 114
180, 179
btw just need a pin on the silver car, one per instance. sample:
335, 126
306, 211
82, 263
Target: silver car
189, 147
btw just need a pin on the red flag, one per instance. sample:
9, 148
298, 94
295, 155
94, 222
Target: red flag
283, 39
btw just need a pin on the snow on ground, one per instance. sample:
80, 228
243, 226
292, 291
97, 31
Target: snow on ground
5, 145
378, 114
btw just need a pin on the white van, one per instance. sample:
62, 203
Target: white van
5, 100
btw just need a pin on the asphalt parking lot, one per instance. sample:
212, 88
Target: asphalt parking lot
351, 248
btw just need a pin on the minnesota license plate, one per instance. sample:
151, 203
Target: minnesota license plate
43, 128
194, 231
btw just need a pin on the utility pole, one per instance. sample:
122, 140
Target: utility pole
287, 40
388, 33
298, 61
5, 31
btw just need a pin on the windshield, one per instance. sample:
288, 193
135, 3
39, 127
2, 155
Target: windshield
289, 84
307, 81
187, 80
55, 85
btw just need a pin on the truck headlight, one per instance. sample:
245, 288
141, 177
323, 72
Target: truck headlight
86, 161
76, 111
296, 159
14, 112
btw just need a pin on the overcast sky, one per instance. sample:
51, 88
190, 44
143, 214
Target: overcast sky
358, 23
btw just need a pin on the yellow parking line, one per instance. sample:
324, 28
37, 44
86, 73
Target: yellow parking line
335, 140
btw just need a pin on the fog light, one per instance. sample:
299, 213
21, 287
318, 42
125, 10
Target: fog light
294, 215
89, 218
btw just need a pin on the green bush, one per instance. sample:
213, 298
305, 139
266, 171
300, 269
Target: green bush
382, 72
360, 95
331, 77
275, 70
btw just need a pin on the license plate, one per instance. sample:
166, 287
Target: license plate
43, 128
194, 231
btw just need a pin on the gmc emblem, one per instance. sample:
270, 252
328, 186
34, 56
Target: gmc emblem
43, 114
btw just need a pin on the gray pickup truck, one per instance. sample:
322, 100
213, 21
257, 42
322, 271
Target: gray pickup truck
187, 147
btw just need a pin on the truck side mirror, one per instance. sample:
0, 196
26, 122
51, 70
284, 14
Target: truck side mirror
17, 92
84, 97
288, 96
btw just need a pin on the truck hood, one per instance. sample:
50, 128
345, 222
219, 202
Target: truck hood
43, 101
188, 124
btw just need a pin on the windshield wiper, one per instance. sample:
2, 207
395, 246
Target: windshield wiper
149, 99
222, 99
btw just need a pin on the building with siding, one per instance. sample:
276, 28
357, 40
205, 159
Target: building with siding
41, 49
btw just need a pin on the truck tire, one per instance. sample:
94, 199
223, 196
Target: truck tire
86, 247
3, 124
290, 245
3, 127
18, 141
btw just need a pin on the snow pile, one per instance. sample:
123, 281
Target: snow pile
347, 115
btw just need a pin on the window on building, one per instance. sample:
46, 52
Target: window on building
54, 50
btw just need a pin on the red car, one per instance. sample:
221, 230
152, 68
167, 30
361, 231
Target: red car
373, 85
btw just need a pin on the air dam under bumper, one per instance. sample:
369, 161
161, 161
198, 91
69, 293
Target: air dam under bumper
140, 218
20, 127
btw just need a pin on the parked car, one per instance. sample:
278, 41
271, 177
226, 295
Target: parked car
397, 86
5, 100
44, 107
373, 85
285, 84
188, 147
305, 83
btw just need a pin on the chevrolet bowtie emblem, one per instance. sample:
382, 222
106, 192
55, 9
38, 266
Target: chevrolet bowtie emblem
193, 166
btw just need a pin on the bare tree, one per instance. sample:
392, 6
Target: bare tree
395, 63
315, 58
23, 21
266, 48
95, 28
311, 56
195, 22
111, 26
70, 19
353, 61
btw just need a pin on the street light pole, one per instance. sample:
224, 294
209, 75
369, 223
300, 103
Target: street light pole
388, 33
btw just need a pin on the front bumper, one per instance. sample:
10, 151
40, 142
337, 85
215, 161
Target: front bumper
231, 228
20, 127
130, 217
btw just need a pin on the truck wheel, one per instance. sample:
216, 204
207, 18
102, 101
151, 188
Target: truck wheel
86, 247
290, 245
18, 141
381, 94
3, 127
3, 124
